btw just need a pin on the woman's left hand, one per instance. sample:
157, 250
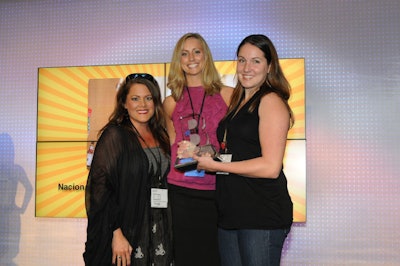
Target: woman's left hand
121, 249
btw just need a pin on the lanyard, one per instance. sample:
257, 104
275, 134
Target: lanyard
156, 159
223, 144
191, 105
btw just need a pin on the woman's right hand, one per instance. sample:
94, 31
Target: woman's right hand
121, 249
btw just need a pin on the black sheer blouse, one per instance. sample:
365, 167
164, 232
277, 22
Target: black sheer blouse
117, 193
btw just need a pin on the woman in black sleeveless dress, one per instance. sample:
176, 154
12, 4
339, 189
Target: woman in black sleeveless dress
255, 209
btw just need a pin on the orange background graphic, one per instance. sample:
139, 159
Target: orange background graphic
63, 127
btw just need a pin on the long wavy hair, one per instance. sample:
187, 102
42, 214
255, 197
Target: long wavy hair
157, 123
275, 80
176, 76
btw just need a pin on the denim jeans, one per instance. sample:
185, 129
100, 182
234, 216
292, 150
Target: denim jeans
250, 247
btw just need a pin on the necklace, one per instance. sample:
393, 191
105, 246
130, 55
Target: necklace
157, 160
201, 107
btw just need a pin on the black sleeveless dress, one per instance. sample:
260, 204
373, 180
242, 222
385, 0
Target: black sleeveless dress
250, 203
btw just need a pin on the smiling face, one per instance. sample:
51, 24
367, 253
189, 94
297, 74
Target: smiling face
252, 67
192, 57
139, 104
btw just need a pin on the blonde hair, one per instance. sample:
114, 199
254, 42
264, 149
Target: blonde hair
176, 76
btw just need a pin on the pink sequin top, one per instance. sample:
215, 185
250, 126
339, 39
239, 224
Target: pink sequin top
213, 111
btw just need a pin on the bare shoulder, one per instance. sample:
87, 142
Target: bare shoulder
273, 104
226, 90
226, 93
169, 105
272, 98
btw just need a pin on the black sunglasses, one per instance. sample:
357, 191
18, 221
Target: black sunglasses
141, 75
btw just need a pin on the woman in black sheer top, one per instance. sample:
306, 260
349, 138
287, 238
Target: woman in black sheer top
126, 204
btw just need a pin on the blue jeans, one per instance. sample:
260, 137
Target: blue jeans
250, 247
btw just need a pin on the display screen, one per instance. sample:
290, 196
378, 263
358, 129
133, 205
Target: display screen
74, 103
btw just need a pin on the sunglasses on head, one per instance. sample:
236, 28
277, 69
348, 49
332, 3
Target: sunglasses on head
140, 75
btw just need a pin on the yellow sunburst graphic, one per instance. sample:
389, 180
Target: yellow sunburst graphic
63, 131
293, 68
63, 97
295, 157
294, 72
62, 134
295, 170
61, 179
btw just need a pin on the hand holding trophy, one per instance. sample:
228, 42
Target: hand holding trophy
186, 149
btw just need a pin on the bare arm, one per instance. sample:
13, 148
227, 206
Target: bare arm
169, 107
273, 128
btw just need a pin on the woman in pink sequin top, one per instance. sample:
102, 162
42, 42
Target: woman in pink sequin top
197, 103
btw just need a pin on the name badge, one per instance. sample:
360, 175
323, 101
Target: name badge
159, 198
226, 158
